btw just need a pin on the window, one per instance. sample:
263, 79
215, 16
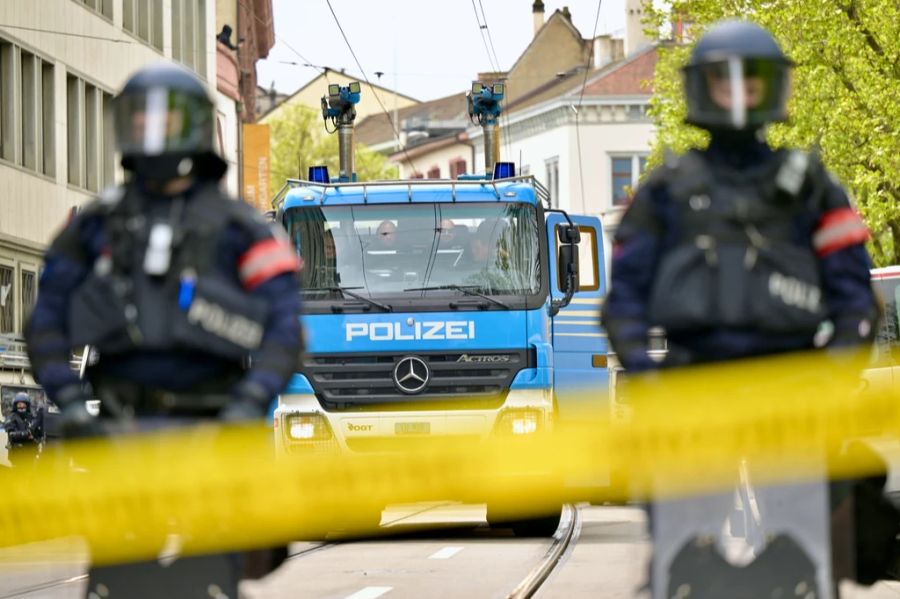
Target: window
457, 167
7, 300
626, 171
553, 181
189, 34
7, 102
91, 146
26, 109
104, 7
434, 172
29, 292
143, 18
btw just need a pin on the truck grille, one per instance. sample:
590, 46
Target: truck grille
458, 380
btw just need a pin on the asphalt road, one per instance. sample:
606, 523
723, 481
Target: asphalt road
435, 550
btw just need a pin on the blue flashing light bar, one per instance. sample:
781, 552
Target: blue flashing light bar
319, 174
504, 170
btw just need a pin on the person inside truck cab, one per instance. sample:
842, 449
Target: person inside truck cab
451, 235
486, 257
385, 236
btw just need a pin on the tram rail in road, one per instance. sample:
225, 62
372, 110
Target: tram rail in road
564, 540
566, 535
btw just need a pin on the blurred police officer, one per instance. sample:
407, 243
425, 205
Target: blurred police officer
24, 431
737, 250
175, 285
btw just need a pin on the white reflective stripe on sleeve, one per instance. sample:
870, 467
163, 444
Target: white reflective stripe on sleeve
839, 230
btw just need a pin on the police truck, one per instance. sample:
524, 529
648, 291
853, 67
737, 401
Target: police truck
434, 308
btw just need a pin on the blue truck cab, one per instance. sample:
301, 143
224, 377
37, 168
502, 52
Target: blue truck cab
458, 308
438, 308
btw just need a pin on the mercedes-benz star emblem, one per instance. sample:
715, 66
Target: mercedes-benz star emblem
411, 375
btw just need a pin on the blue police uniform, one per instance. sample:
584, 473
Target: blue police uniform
248, 256
824, 222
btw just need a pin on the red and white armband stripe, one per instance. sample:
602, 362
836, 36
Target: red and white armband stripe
838, 229
267, 259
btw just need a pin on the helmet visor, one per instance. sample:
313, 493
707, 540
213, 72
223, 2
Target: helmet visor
162, 120
737, 93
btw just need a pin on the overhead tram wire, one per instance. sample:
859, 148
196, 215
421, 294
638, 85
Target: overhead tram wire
394, 128
281, 40
504, 115
495, 67
587, 70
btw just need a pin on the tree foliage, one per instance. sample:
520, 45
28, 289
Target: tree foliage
846, 94
299, 140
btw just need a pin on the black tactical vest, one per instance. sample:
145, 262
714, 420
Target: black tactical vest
120, 307
738, 262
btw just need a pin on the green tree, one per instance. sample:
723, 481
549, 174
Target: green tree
299, 140
846, 94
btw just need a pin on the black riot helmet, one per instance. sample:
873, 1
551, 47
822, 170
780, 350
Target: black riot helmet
21, 398
737, 78
164, 123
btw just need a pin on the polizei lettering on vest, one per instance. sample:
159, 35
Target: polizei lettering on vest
212, 318
396, 331
795, 292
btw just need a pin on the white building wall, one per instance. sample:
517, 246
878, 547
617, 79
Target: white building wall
535, 151
599, 143
608, 128
605, 132
64, 34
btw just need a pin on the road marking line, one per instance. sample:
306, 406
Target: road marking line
370, 593
445, 553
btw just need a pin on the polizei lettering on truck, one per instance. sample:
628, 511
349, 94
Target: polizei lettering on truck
396, 331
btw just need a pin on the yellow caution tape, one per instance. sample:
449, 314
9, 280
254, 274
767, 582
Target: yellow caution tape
214, 489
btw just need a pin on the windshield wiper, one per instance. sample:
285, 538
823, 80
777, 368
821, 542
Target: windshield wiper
346, 291
467, 289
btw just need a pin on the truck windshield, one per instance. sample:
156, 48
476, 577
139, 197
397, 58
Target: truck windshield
398, 250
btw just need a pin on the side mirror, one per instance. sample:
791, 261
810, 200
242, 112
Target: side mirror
568, 267
569, 234
269, 215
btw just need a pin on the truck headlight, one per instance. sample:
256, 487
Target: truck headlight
307, 427
520, 422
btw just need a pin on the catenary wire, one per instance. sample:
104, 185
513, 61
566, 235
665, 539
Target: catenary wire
504, 115
369, 83
578, 114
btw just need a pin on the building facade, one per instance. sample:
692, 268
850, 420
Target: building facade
589, 149
61, 62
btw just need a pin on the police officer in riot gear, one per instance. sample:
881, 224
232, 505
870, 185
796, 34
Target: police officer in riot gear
737, 250
24, 431
176, 286
777, 229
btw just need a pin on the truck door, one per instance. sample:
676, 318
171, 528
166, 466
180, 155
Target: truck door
579, 344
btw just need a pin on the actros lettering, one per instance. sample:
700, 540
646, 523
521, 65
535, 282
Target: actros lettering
397, 331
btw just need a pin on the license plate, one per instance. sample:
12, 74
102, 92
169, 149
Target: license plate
412, 428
